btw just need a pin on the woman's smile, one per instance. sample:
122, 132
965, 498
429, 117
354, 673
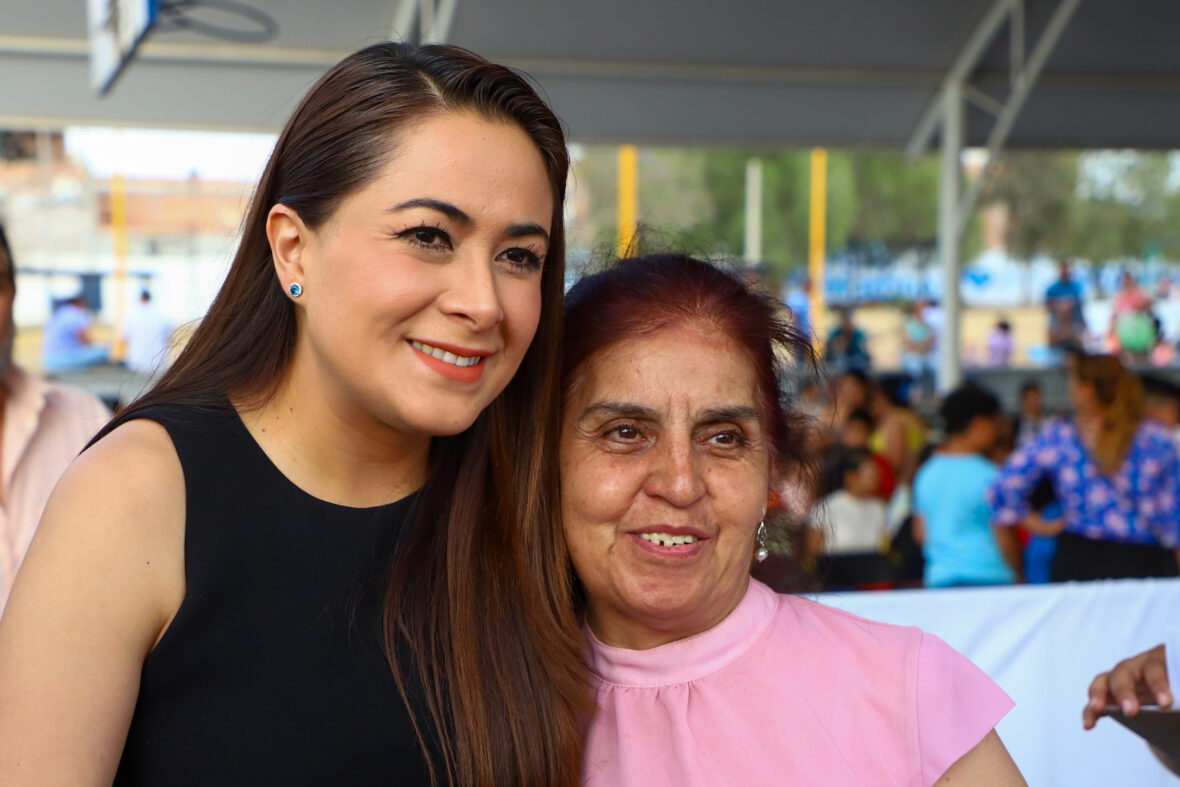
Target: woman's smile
667, 542
455, 363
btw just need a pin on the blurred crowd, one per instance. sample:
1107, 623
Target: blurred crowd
957, 491
1139, 325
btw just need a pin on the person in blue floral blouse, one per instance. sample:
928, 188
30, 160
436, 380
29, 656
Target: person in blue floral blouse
1116, 475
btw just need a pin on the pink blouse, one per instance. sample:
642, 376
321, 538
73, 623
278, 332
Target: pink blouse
787, 691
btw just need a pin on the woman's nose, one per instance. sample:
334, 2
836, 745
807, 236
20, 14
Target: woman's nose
472, 295
676, 473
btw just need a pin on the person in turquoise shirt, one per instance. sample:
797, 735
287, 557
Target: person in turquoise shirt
952, 517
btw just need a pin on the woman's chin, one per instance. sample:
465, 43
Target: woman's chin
438, 422
671, 612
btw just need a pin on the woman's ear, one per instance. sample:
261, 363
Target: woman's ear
289, 241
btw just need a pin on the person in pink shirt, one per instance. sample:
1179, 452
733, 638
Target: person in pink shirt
673, 436
43, 426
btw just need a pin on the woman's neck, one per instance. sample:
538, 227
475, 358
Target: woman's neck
333, 452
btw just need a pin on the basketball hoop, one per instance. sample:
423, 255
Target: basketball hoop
253, 25
118, 27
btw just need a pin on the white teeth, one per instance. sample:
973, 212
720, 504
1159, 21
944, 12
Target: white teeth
446, 357
668, 540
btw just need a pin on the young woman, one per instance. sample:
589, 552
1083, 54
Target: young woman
324, 548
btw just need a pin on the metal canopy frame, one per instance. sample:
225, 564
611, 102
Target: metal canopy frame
843, 73
946, 114
423, 21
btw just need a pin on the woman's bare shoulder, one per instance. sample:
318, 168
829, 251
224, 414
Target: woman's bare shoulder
140, 442
122, 498
127, 490
100, 583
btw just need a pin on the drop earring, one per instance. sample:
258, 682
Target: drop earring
761, 553
296, 289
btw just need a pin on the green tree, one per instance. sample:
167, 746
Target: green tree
1093, 205
1096, 205
1036, 187
898, 198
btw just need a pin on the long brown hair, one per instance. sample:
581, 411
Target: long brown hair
1119, 394
477, 607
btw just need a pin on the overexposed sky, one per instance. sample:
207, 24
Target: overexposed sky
152, 153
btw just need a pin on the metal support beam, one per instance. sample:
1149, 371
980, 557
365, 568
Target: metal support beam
982, 100
404, 19
423, 21
161, 51
440, 29
817, 240
628, 200
425, 18
954, 211
950, 370
956, 77
1016, 42
1024, 85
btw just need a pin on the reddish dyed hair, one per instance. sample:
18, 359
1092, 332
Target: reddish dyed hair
639, 296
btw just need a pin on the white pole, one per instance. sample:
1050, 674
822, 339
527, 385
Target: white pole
753, 243
950, 370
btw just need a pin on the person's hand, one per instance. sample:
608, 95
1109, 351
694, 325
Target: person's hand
1139, 680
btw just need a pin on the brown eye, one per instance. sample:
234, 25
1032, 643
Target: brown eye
524, 260
728, 438
625, 432
425, 237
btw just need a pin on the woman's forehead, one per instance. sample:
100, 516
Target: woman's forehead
686, 364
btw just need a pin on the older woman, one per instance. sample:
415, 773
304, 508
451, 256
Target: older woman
674, 434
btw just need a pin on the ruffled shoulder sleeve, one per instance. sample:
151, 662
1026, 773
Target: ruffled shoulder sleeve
958, 705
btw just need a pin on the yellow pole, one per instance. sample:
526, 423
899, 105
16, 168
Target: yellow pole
816, 241
628, 197
119, 243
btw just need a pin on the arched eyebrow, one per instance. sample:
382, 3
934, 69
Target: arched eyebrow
459, 216
525, 230
453, 212
714, 415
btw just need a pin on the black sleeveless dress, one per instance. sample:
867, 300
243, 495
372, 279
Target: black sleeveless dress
272, 672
